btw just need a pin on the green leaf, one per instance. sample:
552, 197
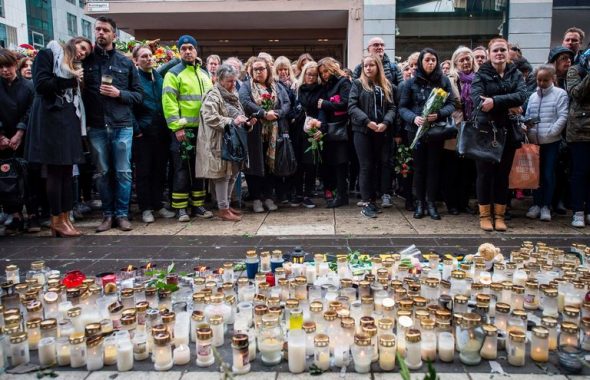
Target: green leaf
403, 368
170, 268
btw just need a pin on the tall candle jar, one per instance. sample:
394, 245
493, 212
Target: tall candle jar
110, 350
371, 331
489, 350
47, 356
362, 352
550, 302
34, 310
531, 295
270, 342
34, 332
205, 356
115, 314
124, 356
94, 353
240, 354
252, 263
310, 331
19, 349
62, 347
550, 324
428, 345
216, 323
321, 356
162, 352
568, 335
517, 301
296, 353
460, 304
517, 348
540, 344
502, 316
77, 350
140, 348
387, 352
12, 274
413, 349
446, 347
571, 314
470, 339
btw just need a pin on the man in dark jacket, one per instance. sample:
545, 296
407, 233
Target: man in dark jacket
392, 72
111, 89
573, 39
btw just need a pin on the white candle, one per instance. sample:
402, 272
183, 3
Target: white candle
296, 351
110, 351
270, 349
387, 358
341, 355
362, 361
446, 347
182, 355
63, 352
78, 355
322, 360
428, 351
47, 355
162, 358
124, 356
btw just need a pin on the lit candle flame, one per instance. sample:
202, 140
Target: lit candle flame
130, 268
148, 266
220, 270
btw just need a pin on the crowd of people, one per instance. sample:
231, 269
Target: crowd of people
87, 117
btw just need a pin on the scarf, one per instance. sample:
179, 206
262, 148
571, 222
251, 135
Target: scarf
270, 129
231, 100
70, 95
466, 80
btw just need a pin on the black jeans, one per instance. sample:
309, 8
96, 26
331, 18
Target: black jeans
260, 187
492, 178
427, 164
457, 179
184, 178
150, 156
373, 151
580, 153
60, 188
304, 180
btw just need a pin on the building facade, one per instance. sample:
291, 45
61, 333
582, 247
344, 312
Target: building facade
13, 23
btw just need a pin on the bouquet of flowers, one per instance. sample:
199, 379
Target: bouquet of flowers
403, 159
315, 146
434, 103
267, 103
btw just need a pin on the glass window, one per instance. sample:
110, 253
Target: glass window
2, 8
87, 29
71, 1
81, 3
72, 25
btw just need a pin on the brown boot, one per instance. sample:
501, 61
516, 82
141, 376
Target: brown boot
485, 217
235, 212
66, 218
226, 214
499, 212
59, 228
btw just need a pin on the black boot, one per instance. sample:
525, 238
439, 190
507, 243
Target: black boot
432, 210
419, 210
337, 202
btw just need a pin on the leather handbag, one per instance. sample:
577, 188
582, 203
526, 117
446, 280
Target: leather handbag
481, 141
234, 146
13, 180
285, 160
440, 131
337, 131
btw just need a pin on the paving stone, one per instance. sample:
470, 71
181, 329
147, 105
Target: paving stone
330, 376
135, 375
295, 229
528, 376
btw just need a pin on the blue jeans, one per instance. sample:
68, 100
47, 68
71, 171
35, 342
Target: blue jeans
111, 152
580, 177
548, 155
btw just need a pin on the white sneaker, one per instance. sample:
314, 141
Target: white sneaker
545, 214
257, 206
386, 201
147, 216
183, 216
578, 220
533, 212
270, 205
361, 203
165, 213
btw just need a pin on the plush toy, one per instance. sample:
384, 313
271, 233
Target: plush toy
490, 253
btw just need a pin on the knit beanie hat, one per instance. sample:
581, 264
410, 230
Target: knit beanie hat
186, 39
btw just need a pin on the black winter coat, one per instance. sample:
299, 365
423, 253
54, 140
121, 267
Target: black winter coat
507, 91
103, 111
415, 92
148, 114
255, 144
54, 134
307, 97
332, 111
366, 106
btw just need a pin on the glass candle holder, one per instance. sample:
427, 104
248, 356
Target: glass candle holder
47, 355
321, 356
362, 352
489, 350
413, 349
62, 348
77, 350
517, 348
94, 353
428, 344
446, 347
216, 324
124, 356
550, 303
470, 339
240, 354
140, 348
19, 349
205, 356
162, 352
540, 344
387, 352
568, 335
33, 332
110, 350
181, 355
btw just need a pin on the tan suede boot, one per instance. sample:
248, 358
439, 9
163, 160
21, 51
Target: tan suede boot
485, 217
499, 212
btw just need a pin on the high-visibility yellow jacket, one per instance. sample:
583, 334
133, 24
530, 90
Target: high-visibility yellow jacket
185, 86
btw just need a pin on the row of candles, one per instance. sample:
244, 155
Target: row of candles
297, 310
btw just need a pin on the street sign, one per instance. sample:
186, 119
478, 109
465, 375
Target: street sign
98, 7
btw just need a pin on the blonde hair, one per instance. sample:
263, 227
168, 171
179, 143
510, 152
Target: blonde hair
282, 62
332, 65
457, 53
380, 79
308, 66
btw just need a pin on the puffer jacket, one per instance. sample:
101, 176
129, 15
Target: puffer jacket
550, 105
366, 106
508, 91
578, 88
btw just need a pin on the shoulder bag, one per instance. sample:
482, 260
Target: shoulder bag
337, 131
13, 180
481, 141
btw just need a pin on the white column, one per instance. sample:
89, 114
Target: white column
379, 21
529, 26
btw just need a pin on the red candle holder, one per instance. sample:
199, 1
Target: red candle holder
270, 279
73, 279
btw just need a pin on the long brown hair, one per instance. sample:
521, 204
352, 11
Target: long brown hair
332, 65
380, 79
269, 78
70, 51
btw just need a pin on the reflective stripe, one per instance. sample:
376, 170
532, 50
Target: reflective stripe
171, 90
198, 203
198, 193
179, 204
192, 119
180, 196
172, 119
190, 97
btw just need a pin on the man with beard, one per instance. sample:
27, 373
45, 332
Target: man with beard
111, 89
573, 39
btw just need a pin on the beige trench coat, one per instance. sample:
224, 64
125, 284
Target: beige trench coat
213, 118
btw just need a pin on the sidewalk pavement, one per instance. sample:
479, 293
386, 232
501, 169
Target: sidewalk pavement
343, 221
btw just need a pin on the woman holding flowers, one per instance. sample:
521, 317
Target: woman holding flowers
458, 172
333, 106
372, 110
427, 153
308, 92
264, 99
498, 90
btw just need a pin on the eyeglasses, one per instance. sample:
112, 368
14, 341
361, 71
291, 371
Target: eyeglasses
377, 44
258, 69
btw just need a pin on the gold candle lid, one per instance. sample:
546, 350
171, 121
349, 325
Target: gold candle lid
33, 323
443, 314
162, 339
385, 323
490, 330
540, 332
34, 306
330, 315
49, 324
413, 336
142, 306
127, 292
362, 339
347, 323
387, 340
260, 310
158, 329
18, 337
406, 304
461, 299
367, 300
309, 327
520, 313
239, 341
94, 341
74, 312
321, 340
518, 289
471, 319
503, 308
549, 322
92, 329
482, 298
367, 321
420, 301
168, 317
216, 319
292, 303
77, 338
370, 330
427, 324
569, 327
316, 306
571, 311
517, 336
128, 320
